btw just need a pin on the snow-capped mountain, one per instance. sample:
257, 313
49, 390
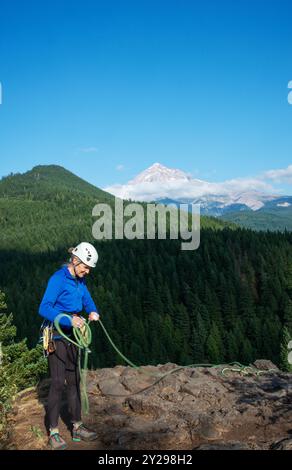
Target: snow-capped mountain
163, 184
159, 173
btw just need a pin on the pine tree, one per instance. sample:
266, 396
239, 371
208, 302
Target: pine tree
232, 354
197, 348
213, 346
285, 363
287, 317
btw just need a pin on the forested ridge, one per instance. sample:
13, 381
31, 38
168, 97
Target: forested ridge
230, 300
49, 207
273, 220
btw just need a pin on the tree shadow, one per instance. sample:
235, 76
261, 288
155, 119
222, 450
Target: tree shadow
272, 390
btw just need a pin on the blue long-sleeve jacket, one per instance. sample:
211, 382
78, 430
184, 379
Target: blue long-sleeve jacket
65, 294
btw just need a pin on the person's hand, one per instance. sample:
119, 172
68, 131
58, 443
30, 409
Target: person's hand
93, 316
77, 322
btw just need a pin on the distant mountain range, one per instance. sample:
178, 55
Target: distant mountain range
51, 183
254, 209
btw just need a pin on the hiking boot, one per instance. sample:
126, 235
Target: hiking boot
56, 442
83, 433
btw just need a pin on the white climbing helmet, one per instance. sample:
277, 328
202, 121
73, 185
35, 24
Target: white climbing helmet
86, 253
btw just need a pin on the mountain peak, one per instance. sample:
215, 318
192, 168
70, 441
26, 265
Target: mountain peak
159, 173
158, 166
45, 181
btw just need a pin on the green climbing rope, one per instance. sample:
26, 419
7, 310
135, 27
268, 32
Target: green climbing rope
240, 368
83, 339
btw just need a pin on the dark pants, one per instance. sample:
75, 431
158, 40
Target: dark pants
63, 364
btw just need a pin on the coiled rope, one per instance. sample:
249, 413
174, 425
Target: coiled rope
83, 338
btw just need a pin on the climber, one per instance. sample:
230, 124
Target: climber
66, 292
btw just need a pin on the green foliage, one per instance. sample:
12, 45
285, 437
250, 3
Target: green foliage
36, 432
286, 338
19, 366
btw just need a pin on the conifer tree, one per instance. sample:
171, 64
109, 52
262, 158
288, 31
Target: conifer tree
284, 362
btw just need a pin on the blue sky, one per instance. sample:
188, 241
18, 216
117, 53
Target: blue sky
107, 88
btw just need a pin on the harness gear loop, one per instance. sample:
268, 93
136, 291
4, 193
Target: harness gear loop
48, 342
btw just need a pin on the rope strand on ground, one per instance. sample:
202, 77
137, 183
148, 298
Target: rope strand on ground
83, 337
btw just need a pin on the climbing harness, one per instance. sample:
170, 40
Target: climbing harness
83, 339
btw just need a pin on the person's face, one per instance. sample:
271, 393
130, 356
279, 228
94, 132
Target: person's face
81, 269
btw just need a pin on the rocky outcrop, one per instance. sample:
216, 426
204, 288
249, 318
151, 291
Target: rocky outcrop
193, 408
